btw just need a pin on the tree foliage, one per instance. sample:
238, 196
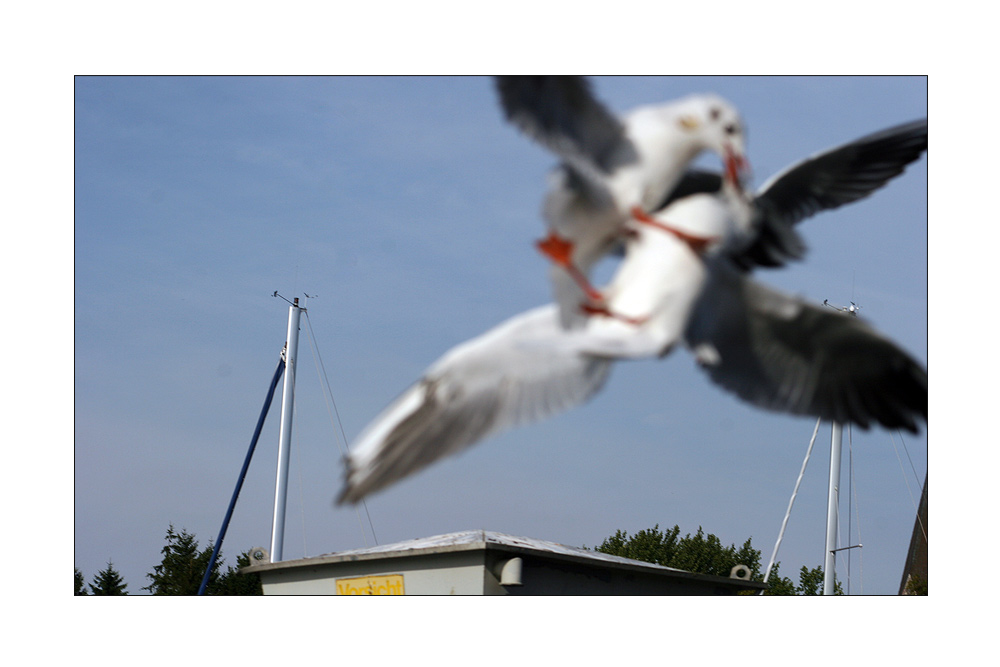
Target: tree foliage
183, 567
108, 582
180, 572
916, 586
811, 582
705, 554
233, 583
79, 583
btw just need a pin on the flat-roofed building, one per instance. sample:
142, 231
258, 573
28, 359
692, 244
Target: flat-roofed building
479, 562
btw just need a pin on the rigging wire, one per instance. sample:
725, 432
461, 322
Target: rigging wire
788, 512
852, 490
916, 509
302, 502
328, 398
839, 540
906, 451
852, 498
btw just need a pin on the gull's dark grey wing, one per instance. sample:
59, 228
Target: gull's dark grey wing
561, 113
826, 181
693, 182
780, 353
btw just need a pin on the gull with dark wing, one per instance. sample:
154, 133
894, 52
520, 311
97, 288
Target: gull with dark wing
771, 349
612, 169
822, 182
779, 352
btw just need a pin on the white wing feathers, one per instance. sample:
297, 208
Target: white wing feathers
768, 348
513, 374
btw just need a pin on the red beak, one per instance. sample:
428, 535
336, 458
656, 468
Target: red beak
736, 166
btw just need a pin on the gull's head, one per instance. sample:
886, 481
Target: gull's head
712, 123
668, 136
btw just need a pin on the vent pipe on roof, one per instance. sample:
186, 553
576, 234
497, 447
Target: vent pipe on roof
510, 572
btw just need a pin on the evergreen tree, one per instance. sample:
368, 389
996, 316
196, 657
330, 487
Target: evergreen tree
79, 587
108, 582
183, 566
234, 583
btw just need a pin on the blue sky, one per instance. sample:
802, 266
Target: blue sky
408, 208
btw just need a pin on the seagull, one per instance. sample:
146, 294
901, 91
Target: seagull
524, 369
532, 366
612, 169
781, 353
652, 294
823, 181
515, 373
771, 349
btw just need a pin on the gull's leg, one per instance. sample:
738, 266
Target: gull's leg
599, 309
560, 251
696, 243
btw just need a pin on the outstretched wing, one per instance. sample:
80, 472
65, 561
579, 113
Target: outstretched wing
827, 181
780, 353
514, 374
561, 113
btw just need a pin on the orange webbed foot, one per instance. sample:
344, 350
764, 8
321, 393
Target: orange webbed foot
560, 251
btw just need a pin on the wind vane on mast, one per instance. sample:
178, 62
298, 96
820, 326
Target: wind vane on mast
850, 310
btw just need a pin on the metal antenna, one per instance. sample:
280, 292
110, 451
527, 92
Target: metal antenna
308, 296
833, 491
850, 310
281, 297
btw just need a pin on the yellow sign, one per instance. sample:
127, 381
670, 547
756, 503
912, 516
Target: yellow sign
389, 584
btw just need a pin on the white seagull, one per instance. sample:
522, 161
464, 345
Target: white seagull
518, 372
613, 169
769, 348
532, 367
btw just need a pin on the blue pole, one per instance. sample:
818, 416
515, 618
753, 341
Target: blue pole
243, 474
